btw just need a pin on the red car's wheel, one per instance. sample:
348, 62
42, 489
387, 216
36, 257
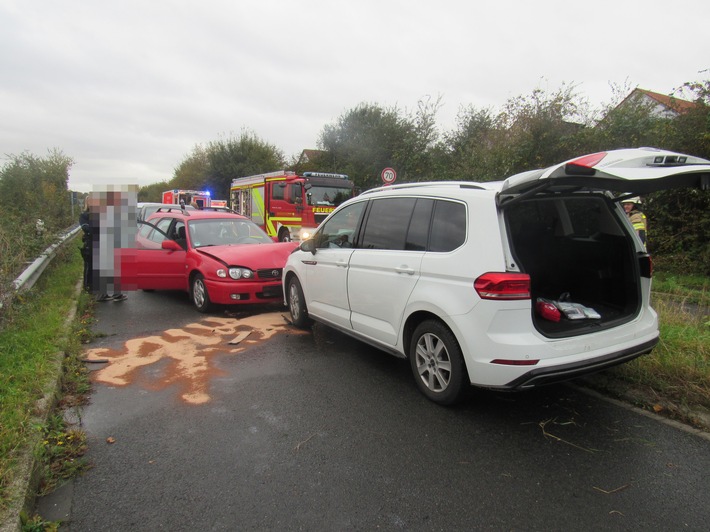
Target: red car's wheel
200, 296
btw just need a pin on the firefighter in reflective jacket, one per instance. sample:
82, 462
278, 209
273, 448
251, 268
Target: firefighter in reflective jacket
636, 217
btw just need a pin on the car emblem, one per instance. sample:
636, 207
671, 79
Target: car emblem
275, 273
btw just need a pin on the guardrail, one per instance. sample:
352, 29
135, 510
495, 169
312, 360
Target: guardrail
28, 278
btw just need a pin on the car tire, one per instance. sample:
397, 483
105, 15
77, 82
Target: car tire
199, 295
437, 363
297, 304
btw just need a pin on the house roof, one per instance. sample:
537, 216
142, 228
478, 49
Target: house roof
671, 102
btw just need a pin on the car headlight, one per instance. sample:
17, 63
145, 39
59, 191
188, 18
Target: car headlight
241, 273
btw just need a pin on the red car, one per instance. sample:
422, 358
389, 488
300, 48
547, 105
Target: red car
217, 257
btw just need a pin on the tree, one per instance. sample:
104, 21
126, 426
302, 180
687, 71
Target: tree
679, 229
369, 138
470, 147
153, 192
33, 187
213, 167
238, 157
530, 131
192, 172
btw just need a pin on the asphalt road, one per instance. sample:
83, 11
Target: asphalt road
283, 430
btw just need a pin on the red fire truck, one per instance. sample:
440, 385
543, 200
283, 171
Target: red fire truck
286, 205
201, 198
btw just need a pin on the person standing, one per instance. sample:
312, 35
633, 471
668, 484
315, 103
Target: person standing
632, 206
87, 243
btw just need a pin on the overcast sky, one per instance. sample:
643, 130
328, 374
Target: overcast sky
128, 88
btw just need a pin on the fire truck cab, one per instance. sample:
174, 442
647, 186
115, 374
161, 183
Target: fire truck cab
289, 206
177, 196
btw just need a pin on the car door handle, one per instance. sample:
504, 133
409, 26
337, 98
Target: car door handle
341, 263
405, 269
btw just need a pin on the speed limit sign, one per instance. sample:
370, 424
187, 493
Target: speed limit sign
389, 176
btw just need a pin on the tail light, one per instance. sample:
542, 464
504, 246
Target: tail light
646, 266
585, 165
589, 160
503, 286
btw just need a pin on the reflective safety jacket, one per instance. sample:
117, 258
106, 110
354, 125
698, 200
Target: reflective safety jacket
638, 220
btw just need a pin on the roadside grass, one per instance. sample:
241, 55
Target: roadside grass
687, 289
678, 369
33, 343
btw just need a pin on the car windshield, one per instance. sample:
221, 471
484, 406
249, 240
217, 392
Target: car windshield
225, 232
319, 195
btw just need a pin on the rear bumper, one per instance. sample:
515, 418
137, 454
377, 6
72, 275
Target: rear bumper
550, 375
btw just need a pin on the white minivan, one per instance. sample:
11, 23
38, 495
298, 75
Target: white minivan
506, 285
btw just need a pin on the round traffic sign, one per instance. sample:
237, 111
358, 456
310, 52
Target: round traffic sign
389, 176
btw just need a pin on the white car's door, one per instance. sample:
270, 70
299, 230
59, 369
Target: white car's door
326, 271
385, 267
379, 285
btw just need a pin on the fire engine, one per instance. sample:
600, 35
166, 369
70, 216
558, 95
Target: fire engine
286, 205
201, 198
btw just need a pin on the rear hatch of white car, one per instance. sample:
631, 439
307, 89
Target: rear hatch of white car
566, 229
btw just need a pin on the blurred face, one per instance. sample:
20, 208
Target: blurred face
628, 207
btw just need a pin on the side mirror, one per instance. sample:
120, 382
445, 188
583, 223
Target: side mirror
309, 245
171, 245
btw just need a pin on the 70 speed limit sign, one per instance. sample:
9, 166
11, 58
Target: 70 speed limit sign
389, 176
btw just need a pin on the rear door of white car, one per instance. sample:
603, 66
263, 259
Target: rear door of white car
386, 265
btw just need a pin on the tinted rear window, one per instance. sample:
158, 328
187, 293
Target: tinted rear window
448, 228
387, 223
415, 224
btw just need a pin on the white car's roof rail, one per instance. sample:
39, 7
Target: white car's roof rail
427, 184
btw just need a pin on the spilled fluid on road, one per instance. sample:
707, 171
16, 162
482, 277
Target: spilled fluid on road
189, 352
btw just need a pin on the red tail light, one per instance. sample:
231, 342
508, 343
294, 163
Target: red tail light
646, 266
589, 161
584, 165
505, 286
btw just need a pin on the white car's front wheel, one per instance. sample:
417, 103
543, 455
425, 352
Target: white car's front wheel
297, 304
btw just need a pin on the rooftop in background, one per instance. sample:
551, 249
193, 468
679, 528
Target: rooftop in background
663, 105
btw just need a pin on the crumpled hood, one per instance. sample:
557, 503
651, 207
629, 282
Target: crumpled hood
252, 256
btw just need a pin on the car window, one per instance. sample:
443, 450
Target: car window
448, 228
145, 229
339, 230
278, 191
418, 232
226, 232
161, 230
387, 223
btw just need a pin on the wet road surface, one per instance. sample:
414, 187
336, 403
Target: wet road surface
285, 430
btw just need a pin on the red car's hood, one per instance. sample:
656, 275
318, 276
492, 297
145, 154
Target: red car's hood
252, 256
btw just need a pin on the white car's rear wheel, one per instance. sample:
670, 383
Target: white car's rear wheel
437, 363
